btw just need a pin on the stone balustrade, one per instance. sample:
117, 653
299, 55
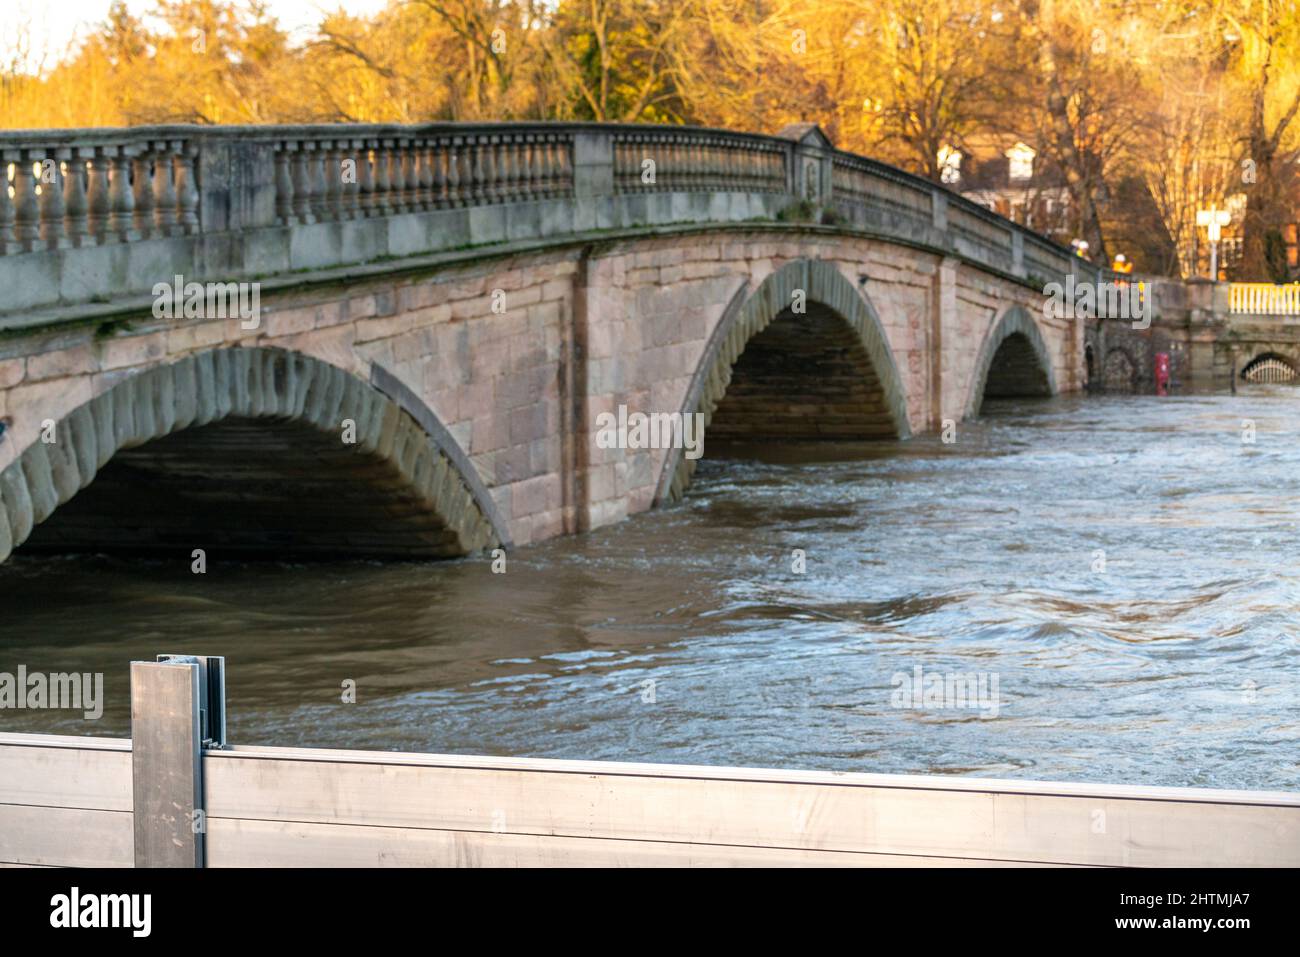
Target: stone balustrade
92, 220
95, 189
321, 177
1264, 299
654, 160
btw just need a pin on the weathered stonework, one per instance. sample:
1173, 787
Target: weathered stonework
1209, 340
505, 363
450, 516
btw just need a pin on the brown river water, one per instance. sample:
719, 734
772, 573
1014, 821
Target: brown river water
1116, 578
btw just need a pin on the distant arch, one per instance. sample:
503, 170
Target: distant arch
243, 450
1013, 361
842, 321
1270, 367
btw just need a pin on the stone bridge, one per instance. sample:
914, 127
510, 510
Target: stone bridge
1217, 335
442, 314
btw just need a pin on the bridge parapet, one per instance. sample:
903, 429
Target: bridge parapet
1264, 299
98, 217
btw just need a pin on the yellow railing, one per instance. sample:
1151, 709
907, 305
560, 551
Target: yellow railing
1264, 299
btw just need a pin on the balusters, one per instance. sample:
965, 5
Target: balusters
393, 170
353, 152
331, 199
97, 196
466, 170
744, 174
366, 179
744, 178
565, 168
478, 172
454, 161
549, 166
492, 169
96, 189
506, 168
51, 208
537, 166
519, 163
425, 195
383, 178
396, 178
519, 160
164, 191
397, 175
318, 201
653, 148
488, 147
733, 158
121, 202
518, 177
6, 204
410, 177
142, 185
438, 159
26, 219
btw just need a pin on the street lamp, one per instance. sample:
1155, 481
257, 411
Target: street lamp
1213, 220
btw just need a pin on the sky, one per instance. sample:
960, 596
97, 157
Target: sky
55, 25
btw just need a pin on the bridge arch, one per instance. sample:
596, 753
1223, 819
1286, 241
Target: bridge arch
1012, 361
243, 451
841, 325
1271, 366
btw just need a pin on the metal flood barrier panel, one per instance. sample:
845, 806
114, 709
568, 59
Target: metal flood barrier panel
180, 798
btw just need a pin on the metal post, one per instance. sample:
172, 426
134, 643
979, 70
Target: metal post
167, 738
